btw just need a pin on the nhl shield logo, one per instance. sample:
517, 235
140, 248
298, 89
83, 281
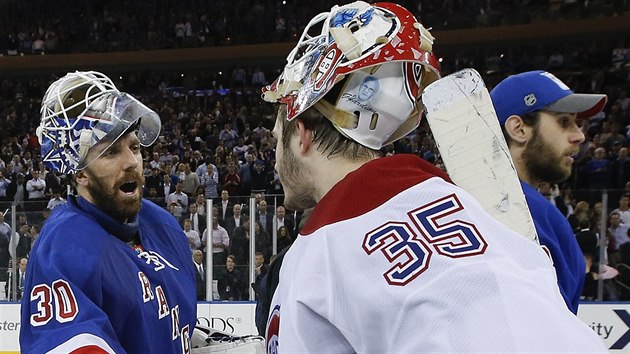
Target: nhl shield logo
530, 100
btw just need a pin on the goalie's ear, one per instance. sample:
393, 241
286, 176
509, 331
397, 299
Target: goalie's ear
517, 130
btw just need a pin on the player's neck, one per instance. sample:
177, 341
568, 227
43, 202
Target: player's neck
522, 171
329, 171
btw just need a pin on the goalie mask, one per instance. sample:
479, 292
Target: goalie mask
364, 72
83, 109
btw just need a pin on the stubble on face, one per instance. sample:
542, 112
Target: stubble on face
298, 190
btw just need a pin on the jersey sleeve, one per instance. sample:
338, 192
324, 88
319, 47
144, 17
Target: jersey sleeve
60, 307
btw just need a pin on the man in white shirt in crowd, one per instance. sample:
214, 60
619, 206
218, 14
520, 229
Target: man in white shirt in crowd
178, 197
56, 200
220, 241
624, 209
193, 236
35, 186
619, 235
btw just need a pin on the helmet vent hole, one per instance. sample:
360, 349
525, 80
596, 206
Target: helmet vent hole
373, 121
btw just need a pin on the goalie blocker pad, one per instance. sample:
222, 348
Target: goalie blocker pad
474, 151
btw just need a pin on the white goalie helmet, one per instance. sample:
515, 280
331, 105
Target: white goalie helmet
82, 109
365, 71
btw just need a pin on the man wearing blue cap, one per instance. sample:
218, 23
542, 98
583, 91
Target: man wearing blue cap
538, 114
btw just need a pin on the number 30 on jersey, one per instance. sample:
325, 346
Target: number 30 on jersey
410, 253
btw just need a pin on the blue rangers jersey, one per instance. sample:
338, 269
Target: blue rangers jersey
556, 235
87, 290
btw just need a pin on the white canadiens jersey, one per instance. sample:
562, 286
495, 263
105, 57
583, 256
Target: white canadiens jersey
395, 259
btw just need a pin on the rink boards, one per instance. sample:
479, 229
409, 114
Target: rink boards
611, 321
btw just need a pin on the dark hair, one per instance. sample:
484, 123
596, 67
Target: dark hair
530, 119
329, 140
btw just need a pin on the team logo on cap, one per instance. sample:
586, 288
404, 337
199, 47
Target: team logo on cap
530, 99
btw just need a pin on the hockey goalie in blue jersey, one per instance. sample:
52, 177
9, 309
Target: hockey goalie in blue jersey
110, 272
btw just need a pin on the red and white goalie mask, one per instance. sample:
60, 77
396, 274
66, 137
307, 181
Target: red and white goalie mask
364, 71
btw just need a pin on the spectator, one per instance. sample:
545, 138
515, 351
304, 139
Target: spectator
262, 240
154, 180
21, 276
240, 239
230, 281
4, 185
167, 187
597, 174
193, 236
200, 275
258, 78
35, 187
190, 180
282, 219
235, 220
54, 181
264, 217
240, 149
618, 235
624, 209
219, 242
225, 205
620, 169
201, 205
285, 238
196, 161
17, 190
259, 177
231, 181
56, 200
260, 269
245, 173
178, 200
209, 179
5, 241
580, 213
228, 135
198, 222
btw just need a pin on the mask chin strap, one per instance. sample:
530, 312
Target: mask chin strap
408, 125
85, 142
338, 117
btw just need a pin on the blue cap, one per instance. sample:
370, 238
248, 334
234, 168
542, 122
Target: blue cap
539, 90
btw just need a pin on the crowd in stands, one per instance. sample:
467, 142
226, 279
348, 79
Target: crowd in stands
36, 27
216, 142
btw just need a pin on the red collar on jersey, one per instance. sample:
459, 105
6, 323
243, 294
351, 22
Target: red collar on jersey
368, 187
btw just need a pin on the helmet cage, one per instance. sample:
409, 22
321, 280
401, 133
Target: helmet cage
83, 109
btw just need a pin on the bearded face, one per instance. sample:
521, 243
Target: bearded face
121, 199
113, 181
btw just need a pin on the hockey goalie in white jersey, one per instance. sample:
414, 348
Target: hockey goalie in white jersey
394, 257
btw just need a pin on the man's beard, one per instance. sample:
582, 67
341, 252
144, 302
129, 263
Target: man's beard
543, 163
297, 194
110, 202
